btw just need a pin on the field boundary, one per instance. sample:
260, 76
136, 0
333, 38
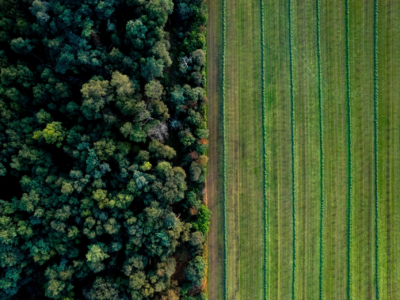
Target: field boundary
265, 184
376, 82
224, 152
293, 147
321, 149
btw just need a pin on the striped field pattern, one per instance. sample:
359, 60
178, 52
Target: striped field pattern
304, 175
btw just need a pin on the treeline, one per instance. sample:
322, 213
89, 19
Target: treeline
103, 145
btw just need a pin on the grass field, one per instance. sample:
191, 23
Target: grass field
244, 151
324, 222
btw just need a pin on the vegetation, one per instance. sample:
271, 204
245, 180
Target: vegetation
243, 146
329, 227
264, 142
103, 158
224, 179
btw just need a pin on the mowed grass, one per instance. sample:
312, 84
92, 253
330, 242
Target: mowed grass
363, 230
307, 157
278, 150
214, 178
244, 165
338, 115
335, 149
388, 150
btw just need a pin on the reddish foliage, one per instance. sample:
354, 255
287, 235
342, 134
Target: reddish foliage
194, 155
193, 211
203, 141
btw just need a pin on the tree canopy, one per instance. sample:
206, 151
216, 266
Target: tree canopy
103, 149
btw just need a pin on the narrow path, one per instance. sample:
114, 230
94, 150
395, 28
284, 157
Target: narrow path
216, 270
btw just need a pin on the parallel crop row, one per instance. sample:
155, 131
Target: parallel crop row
321, 149
376, 81
349, 158
224, 152
265, 184
293, 147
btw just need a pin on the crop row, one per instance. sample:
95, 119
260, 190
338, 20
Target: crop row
321, 149
376, 81
293, 147
349, 158
224, 152
264, 120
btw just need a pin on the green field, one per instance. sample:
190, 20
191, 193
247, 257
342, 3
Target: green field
309, 154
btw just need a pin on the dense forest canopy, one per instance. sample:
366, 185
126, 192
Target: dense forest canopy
103, 145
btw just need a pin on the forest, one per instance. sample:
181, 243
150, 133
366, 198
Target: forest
103, 149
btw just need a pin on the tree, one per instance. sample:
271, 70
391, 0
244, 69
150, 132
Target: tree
136, 33
154, 90
152, 68
203, 219
197, 239
53, 134
134, 132
95, 96
159, 150
89, 155
21, 46
184, 11
195, 272
160, 49
199, 57
96, 255
103, 289
186, 137
39, 9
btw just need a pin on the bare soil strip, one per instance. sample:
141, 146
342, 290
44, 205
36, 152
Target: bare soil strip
214, 179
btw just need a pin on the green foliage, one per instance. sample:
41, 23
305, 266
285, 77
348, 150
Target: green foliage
53, 134
86, 95
94, 96
195, 272
152, 68
159, 150
21, 46
154, 90
203, 219
97, 253
103, 289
